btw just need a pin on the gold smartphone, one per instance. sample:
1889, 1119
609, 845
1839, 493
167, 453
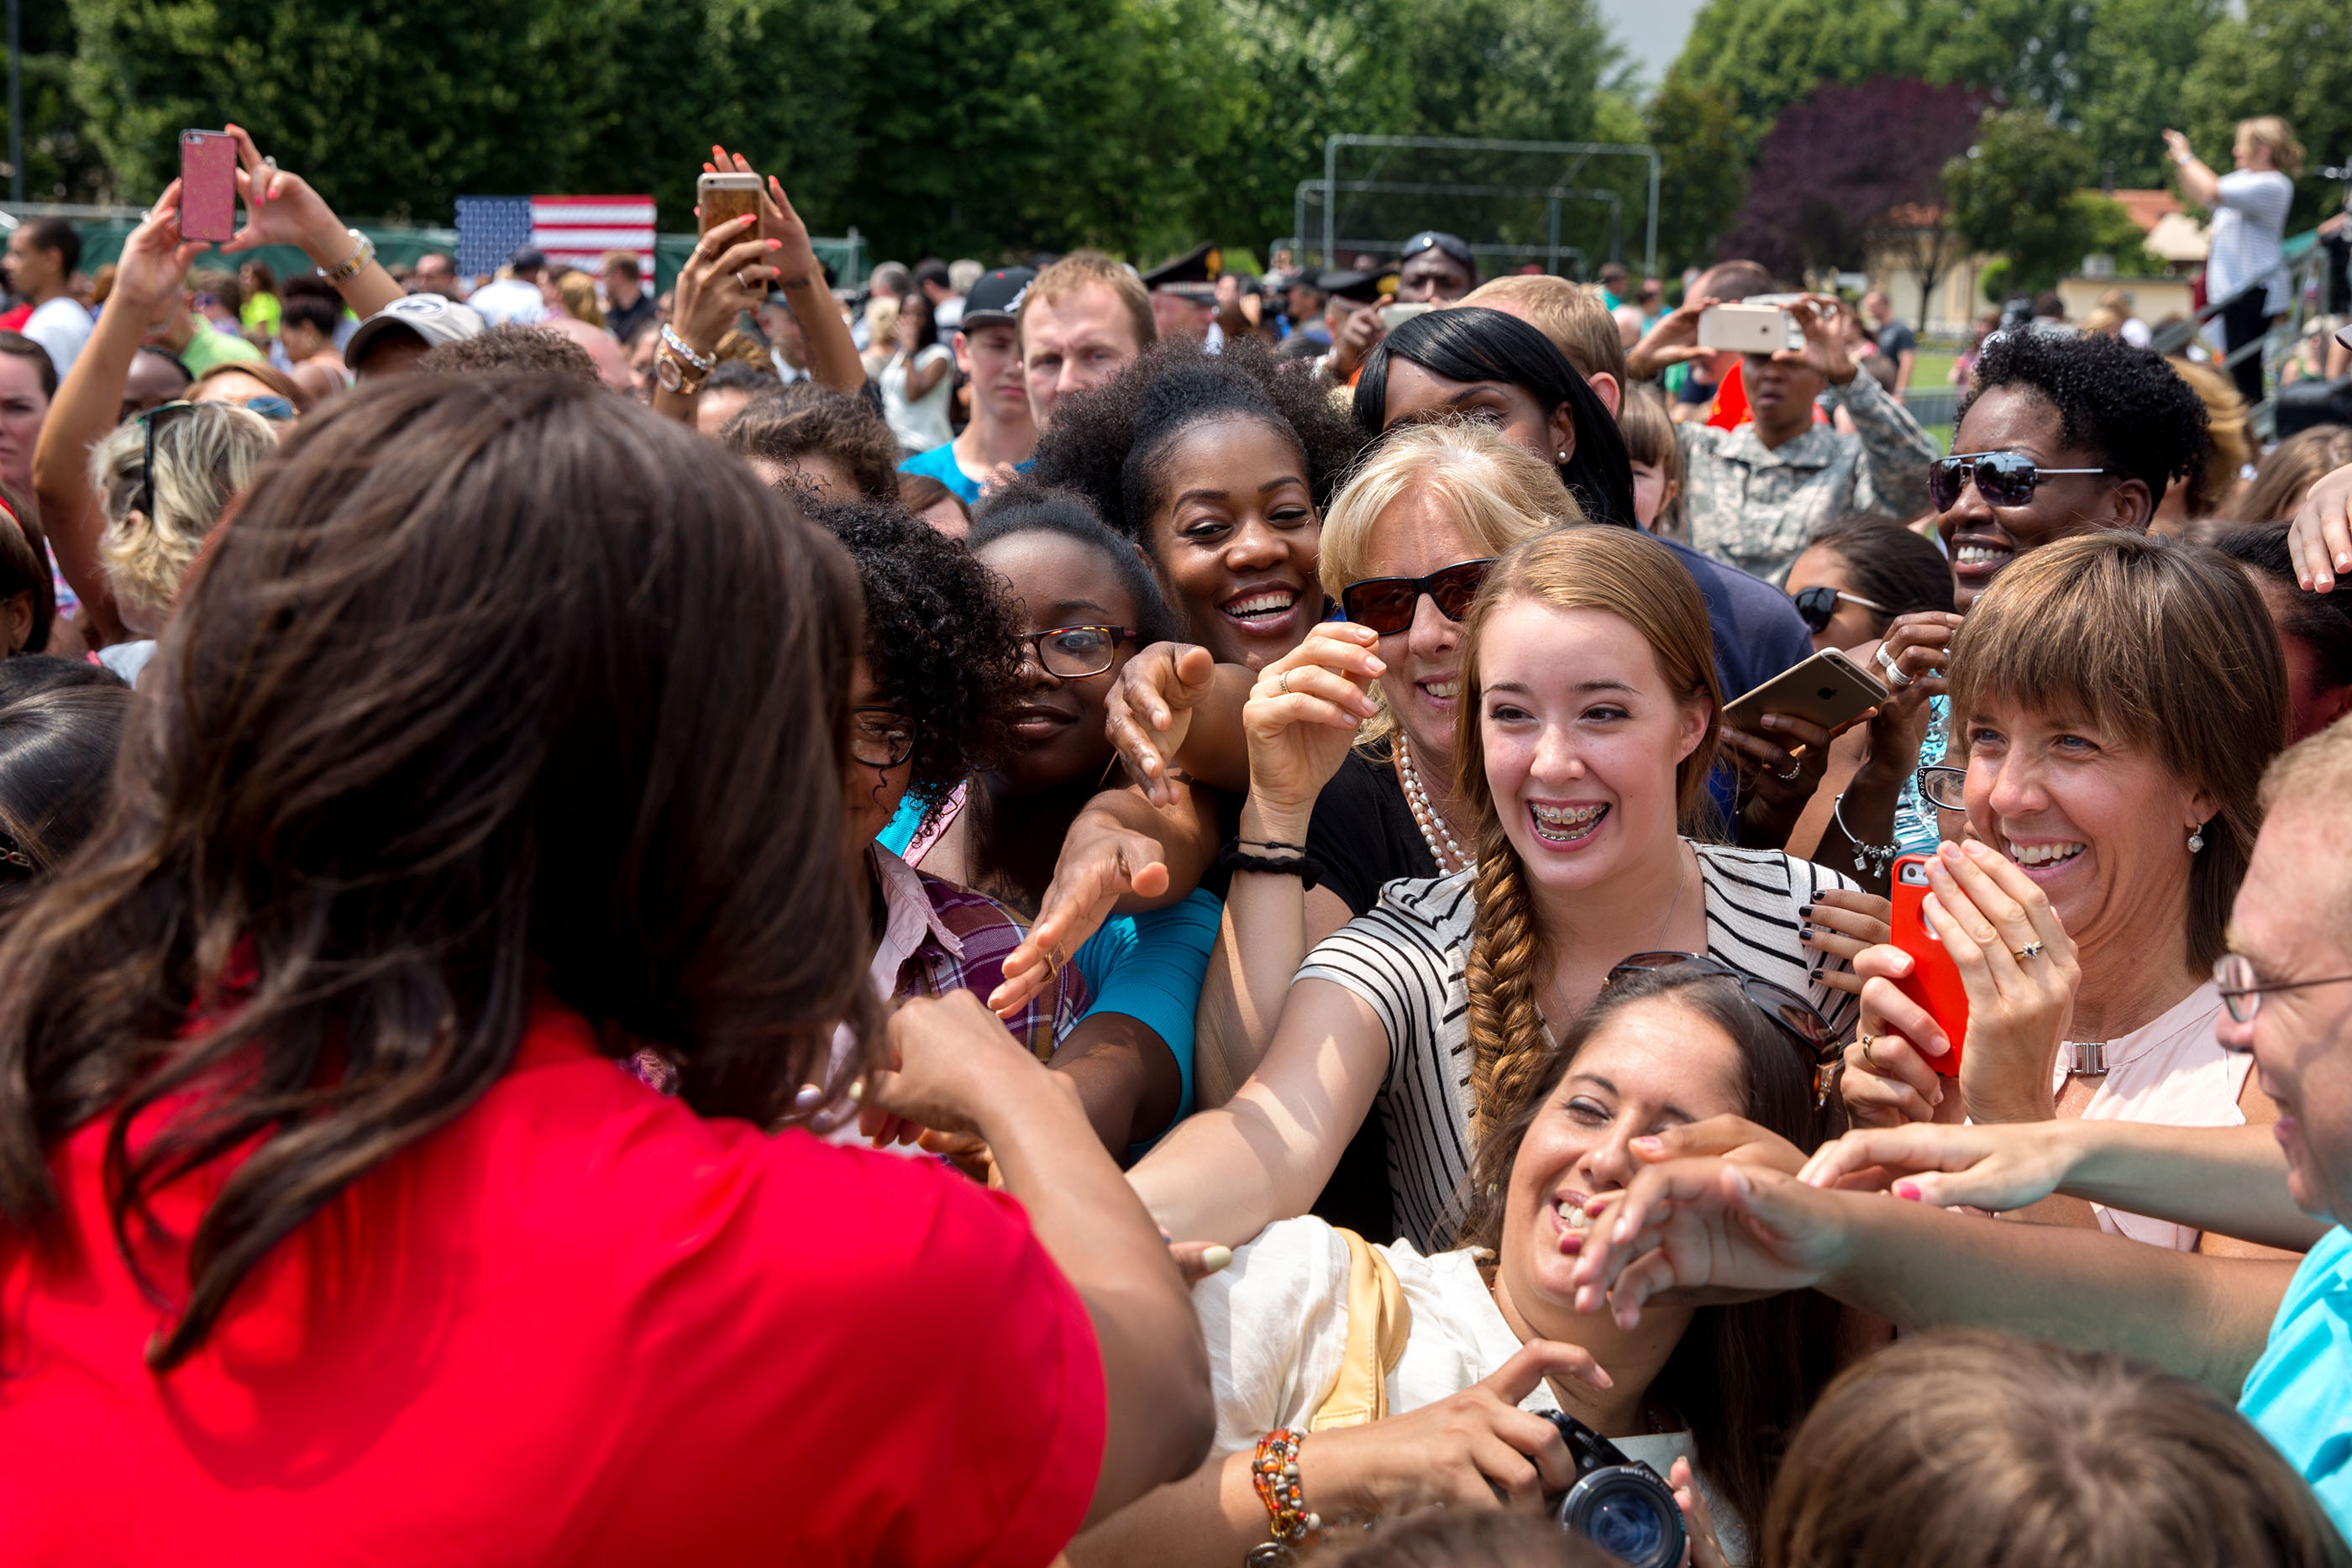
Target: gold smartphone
1827, 689
722, 197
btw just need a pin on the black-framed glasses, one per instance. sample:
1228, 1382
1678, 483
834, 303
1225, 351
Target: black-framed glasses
880, 737
1073, 653
2002, 478
2243, 990
1818, 603
1944, 787
153, 419
1797, 1017
1386, 603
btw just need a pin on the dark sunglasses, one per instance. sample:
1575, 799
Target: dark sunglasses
2002, 478
1796, 1016
153, 419
1820, 602
1386, 603
1074, 652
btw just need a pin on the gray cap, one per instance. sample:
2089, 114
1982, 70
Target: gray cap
432, 318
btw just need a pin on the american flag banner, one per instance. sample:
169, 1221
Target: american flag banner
575, 231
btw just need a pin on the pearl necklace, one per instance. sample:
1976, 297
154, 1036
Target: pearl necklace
1449, 855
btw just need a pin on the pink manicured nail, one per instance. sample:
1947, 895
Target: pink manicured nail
1909, 1189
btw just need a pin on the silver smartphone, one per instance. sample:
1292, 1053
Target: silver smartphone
1828, 689
1749, 329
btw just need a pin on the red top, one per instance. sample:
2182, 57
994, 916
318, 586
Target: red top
580, 1324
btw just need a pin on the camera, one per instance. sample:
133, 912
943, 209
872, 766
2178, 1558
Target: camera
1620, 1505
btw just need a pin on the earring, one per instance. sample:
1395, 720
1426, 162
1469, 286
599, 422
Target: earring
2196, 837
1563, 457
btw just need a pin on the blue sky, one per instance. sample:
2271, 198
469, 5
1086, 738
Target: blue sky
1651, 30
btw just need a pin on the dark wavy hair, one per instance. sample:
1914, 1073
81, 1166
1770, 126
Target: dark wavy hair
495, 684
1888, 564
791, 423
1108, 444
57, 742
2123, 405
939, 638
512, 349
1024, 506
1472, 343
1743, 1375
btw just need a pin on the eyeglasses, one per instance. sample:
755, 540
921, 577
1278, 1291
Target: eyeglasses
1386, 604
2242, 990
2002, 478
1944, 787
153, 419
881, 736
1819, 602
1072, 653
1796, 1016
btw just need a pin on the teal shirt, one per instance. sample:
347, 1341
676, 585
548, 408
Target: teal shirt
2295, 1396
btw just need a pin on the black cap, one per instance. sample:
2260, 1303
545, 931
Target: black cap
1453, 245
1363, 288
995, 300
1201, 265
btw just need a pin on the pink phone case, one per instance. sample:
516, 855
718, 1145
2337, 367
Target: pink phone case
207, 184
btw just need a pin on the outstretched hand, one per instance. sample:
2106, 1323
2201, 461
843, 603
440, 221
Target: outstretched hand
794, 257
1148, 712
1101, 863
1705, 1229
153, 269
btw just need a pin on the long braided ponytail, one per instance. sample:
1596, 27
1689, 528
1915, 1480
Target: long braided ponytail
1631, 576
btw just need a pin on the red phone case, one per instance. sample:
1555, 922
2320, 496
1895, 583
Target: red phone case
1935, 982
207, 184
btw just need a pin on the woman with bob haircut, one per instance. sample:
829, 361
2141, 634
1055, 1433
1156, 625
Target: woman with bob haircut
1585, 727
2114, 700
1960, 1448
502, 736
1491, 1334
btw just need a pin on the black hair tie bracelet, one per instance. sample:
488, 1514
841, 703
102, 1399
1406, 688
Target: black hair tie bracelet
1300, 864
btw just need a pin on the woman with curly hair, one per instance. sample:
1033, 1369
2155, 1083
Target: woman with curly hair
1219, 466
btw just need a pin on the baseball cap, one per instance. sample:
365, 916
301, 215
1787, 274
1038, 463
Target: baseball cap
995, 300
528, 256
1453, 245
433, 319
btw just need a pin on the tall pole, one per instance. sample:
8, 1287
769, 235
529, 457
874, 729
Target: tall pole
15, 110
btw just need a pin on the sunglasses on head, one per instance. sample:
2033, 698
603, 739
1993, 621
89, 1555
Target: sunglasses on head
1818, 603
153, 419
2002, 478
1797, 1017
1386, 604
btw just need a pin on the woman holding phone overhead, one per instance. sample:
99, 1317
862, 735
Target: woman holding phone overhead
2113, 699
1587, 719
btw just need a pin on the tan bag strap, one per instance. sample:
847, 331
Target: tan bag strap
1380, 1319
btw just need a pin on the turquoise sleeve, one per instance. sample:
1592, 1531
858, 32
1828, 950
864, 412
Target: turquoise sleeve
1150, 967
901, 830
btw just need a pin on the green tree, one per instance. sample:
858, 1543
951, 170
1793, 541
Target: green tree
2014, 192
2132, 64
1703, 178
2291, 58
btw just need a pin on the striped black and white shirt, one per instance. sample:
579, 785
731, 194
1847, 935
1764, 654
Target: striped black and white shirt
1406, 958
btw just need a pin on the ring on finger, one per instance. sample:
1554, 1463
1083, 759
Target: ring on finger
2028, 951
1795, 768
1283, 685
1895, 675
1869, 1043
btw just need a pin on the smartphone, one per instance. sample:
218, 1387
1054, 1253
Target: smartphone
207, 184
725, 197
1935, 982
1828, 689
1749, 329
1395, 316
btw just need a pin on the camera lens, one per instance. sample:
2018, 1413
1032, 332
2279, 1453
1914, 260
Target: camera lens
1628, 1513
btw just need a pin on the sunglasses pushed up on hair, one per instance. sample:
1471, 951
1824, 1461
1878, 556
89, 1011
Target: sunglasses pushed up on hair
2002, 478
1386, 604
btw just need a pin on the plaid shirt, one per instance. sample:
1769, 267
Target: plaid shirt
1754, 508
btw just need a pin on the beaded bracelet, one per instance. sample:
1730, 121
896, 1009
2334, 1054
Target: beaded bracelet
705, 363
1274, 1473
1303, 866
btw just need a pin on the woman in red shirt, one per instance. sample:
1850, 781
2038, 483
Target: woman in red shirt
503, 734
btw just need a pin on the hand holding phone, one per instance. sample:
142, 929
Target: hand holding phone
720, 198
1935, 980
207, 185
1828, 689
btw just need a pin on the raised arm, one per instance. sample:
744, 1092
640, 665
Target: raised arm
832, 356
962, 1072
281, 208
1175, 711
2198, 183
148, 279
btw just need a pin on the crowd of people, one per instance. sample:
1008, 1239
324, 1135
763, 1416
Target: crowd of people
1077, 914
